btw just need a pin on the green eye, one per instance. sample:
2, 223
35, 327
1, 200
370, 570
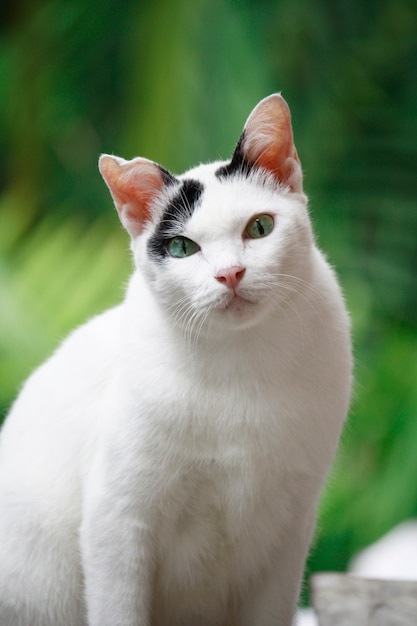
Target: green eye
180, 247
260, 226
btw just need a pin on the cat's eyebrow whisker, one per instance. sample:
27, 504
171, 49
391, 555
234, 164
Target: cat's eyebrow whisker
185, 200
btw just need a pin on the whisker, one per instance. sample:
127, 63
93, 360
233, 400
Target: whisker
299, 287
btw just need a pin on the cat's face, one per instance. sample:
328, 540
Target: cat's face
225, 251
225, 244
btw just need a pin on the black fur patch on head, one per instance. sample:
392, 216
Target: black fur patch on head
179, 210
167, 177
237, 165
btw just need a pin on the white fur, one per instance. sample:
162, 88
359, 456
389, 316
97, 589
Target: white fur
163, 466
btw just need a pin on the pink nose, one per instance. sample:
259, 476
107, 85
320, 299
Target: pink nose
231, 276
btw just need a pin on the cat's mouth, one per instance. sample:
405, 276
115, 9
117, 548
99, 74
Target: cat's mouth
237, 304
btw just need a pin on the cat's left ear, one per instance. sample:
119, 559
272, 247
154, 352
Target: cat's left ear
133, 186
267, 141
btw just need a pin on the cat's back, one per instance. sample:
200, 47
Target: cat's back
58, 406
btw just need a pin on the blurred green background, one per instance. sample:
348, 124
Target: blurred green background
175, 81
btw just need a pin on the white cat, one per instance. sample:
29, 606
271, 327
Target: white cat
163, 466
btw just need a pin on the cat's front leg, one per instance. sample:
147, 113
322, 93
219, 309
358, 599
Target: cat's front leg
273, 598
117, 558
271, 603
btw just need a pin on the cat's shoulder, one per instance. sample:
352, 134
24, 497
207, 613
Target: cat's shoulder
83, 355
94, 335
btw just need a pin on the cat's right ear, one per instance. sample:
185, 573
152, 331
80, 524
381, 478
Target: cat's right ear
133, 186
267, 142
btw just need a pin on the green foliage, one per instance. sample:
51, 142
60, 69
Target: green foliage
57, 275
174, 82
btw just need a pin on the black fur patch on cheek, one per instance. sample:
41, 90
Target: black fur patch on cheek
178, 211
237, 165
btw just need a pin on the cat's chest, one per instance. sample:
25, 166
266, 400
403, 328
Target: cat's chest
212, 454
221, 471
220, 518
226, 434
217, 428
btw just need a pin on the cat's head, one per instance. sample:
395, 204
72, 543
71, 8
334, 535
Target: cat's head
227, 243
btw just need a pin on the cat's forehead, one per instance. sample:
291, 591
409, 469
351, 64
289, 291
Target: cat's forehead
227, 199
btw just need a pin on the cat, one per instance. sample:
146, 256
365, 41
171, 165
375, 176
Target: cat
163, 466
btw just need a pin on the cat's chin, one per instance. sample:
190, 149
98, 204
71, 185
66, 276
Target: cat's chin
238, 312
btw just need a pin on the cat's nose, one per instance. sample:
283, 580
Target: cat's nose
231, 276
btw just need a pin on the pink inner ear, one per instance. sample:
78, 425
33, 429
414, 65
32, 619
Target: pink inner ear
133, 185
268, 140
